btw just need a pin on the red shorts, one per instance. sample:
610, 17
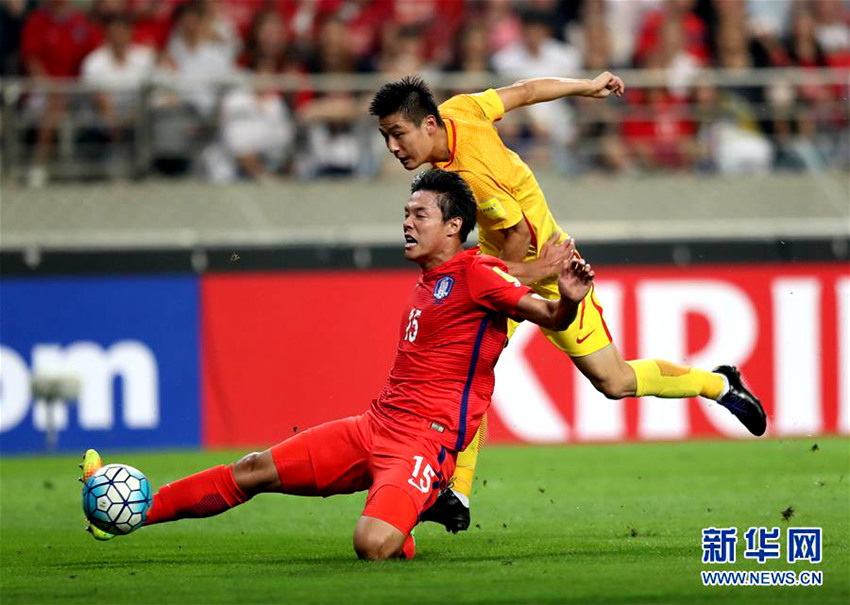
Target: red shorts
403, 471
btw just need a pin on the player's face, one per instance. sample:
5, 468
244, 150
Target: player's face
425, 233
411, 144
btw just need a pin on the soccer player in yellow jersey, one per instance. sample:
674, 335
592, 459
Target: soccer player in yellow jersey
516, 225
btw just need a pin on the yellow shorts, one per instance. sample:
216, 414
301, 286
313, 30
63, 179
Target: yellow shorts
587, 334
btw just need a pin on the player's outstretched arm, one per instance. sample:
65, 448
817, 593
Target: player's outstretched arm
540, 90
574, 282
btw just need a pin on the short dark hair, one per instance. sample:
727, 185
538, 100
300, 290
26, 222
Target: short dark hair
187, 8
117, 19
454, 196
530, 16
410, 96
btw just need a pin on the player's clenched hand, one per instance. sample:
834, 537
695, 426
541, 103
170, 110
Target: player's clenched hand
575, 280
604, 84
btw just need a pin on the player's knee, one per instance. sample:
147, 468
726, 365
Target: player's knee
615, 382
613, 387
373, 546
248, 463
252, 473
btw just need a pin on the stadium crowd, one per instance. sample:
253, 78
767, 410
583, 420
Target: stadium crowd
254, 129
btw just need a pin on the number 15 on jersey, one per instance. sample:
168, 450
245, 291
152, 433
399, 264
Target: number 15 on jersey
412, 330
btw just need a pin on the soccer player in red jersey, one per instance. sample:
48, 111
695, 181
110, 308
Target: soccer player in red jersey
516, 225
402, 450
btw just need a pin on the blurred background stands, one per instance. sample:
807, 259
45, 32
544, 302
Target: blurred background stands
253, 89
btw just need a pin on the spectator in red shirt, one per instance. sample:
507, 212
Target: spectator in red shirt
692, 28
364, 19
152, 21
55, 39
439, 19
658, 130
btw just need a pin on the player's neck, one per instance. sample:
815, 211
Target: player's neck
440, 257
441, 152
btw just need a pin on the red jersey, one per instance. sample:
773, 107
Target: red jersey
450, 337
59, 42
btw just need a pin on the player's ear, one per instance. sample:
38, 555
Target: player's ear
454, 225
430, 125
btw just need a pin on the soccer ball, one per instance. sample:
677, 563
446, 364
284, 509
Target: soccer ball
116, 498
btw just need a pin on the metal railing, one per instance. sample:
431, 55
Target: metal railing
164, 125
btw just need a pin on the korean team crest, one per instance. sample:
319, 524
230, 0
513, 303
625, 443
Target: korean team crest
443, 287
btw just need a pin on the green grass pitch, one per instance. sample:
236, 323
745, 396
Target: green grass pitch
580, 524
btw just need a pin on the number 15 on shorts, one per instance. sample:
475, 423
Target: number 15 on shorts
422, 482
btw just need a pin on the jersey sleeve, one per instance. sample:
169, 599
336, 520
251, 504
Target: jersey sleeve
485, 105
497, 207
491, 286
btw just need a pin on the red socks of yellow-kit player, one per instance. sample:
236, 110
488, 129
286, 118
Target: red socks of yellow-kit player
203, 494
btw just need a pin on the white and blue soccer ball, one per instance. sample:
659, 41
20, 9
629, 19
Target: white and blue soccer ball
116, 498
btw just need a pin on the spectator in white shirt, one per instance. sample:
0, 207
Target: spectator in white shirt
117, 69
219, 27
539, 54
198, 57
833, 32
257, 131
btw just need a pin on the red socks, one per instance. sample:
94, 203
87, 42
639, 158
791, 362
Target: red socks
203, 494
210, 493
408, 549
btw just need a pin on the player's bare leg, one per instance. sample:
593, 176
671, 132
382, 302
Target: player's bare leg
608, 373
375, 539
256, 473
617, 379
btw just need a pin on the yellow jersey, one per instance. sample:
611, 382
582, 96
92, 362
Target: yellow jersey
504, 186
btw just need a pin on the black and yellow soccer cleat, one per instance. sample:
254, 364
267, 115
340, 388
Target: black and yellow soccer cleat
448, 511
741, 402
